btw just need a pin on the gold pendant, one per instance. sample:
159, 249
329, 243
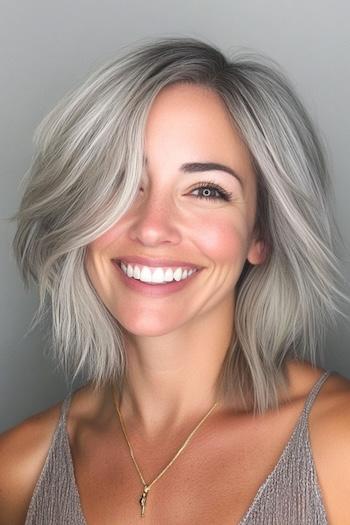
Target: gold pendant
143, 500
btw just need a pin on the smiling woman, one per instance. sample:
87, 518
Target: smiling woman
172, 215
177, 220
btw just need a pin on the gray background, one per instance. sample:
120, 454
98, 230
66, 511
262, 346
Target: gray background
48, 47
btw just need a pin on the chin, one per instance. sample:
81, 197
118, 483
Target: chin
144, 327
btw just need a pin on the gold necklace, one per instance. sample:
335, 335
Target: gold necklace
147, 486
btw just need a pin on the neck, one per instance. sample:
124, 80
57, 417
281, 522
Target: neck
173, 378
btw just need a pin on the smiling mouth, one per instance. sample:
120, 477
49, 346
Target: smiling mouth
158, 276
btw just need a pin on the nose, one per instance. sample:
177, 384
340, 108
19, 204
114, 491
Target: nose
155, 222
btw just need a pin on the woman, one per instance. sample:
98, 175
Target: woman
177, 218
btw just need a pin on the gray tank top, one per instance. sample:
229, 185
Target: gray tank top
290, 495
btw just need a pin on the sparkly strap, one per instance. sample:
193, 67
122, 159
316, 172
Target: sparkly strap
314, 392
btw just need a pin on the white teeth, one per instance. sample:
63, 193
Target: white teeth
168, 275
146, 274
178, 274
129, 271
156, 275
137, 272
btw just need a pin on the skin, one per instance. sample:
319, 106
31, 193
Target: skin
169, 376
175, 349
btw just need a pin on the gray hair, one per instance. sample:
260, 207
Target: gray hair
86, 173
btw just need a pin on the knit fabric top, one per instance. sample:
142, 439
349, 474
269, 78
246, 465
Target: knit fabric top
290, 495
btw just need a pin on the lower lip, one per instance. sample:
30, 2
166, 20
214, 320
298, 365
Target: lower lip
154, 290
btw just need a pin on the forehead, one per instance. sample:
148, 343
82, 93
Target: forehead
192, 122
191, 104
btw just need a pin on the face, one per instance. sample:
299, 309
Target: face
188, 209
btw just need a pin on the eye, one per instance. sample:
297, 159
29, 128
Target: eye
207, 190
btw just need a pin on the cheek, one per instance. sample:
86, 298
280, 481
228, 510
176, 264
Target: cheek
99, 271
223, 240
93, 268
105, 239
97, 262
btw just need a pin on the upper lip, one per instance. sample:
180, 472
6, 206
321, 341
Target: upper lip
135, 259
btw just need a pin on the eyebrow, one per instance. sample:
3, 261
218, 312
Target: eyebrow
194, 167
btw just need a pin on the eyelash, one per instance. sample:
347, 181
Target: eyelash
224, 195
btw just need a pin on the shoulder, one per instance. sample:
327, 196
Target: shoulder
329, 434
24, 448
23, 451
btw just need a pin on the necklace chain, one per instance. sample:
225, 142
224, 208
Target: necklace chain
146, 486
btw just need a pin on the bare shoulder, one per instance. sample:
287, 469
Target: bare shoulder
331, 409
23, 450
329, 433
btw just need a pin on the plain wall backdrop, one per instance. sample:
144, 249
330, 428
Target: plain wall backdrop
47, 48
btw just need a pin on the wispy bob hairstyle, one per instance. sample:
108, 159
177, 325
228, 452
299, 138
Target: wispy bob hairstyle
86, 172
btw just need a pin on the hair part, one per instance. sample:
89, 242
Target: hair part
86, 172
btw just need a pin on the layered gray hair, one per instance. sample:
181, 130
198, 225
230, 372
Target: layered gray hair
86, 172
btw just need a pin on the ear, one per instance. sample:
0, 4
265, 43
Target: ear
257, 252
